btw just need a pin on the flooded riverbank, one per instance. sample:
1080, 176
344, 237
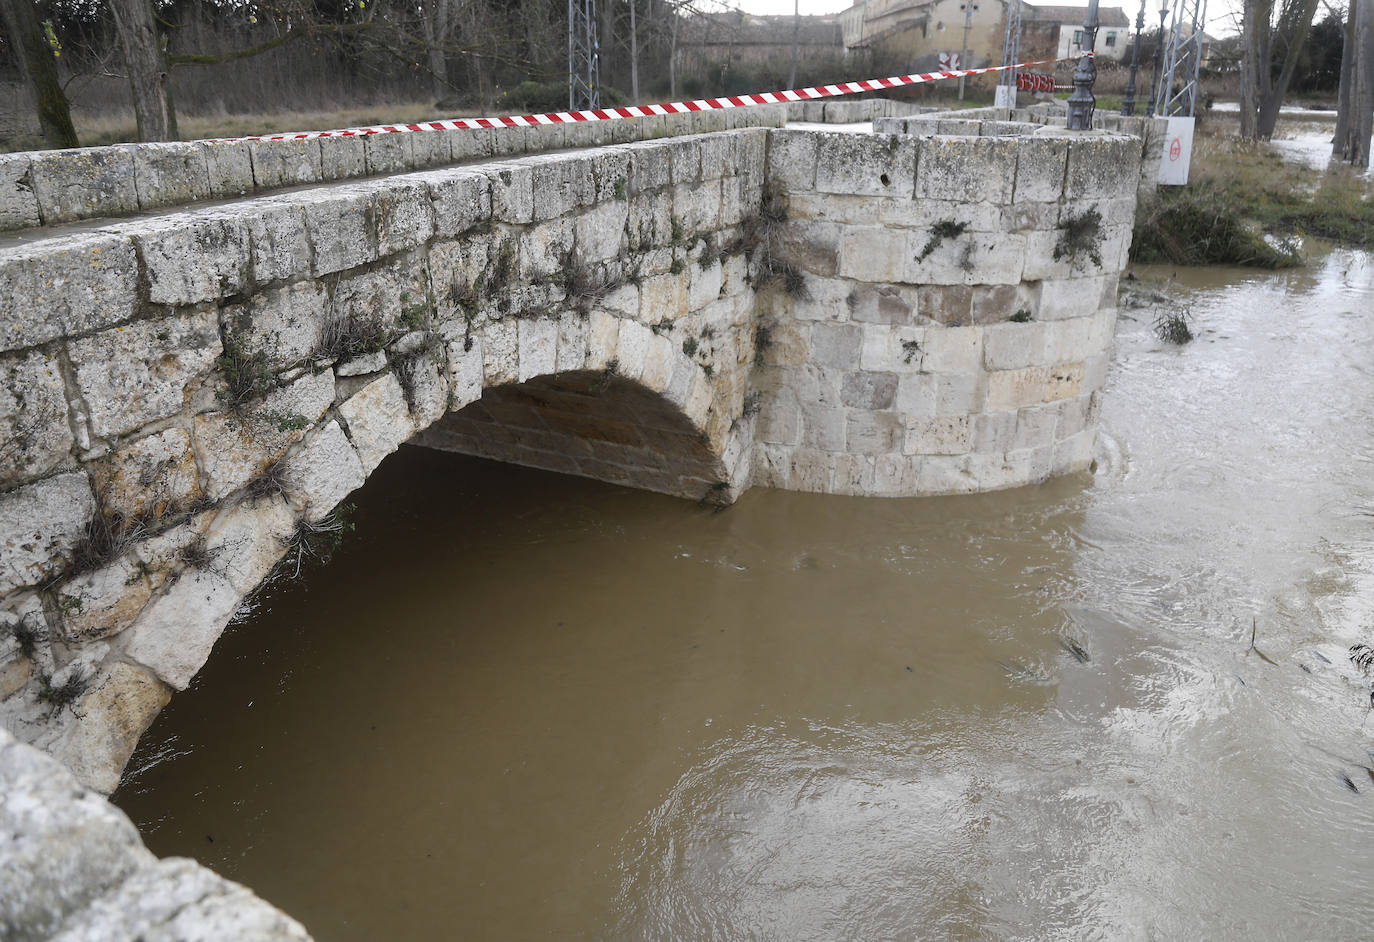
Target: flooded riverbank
524, 706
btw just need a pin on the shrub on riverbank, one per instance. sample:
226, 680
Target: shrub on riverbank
1241, 190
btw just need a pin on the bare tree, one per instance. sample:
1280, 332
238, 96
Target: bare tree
146, 63
1355, 108
36, 61
1272, 41
438, 18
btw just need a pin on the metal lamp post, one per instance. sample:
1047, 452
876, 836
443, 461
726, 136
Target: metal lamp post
1128, 103
1081, 102
1164, 7
968, 9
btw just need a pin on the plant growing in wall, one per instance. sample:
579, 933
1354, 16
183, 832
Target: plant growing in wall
944, 229
1080, 236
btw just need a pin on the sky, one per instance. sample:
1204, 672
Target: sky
1220, 13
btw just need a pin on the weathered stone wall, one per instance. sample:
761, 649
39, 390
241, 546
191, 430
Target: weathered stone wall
955, 310
189, 397
73, 868
49, 187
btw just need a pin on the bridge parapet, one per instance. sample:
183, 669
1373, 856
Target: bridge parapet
959, 307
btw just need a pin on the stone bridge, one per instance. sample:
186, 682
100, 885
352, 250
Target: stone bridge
191, 391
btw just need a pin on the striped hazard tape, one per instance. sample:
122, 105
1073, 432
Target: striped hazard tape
646, 111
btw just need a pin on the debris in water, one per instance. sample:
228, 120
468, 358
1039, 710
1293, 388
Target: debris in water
1349, 784
1321, 657
1079, 652
1306, 668
1254, 629
908, 667
1362, 656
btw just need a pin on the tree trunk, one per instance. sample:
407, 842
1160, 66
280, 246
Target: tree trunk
146, 64
672, 58
1299, 22
36, 62
1340, 141
634, 55
796, 28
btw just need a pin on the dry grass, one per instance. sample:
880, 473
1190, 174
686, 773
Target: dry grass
96, 128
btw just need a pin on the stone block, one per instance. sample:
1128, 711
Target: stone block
868, 390
651, 167
509, 141
380, 294
873, 255
873, 433
462, 200
1040, 169
378, 420
1012, 389
664, 297
512, 193
792, 157
99, 604
960, 393
341, 228
943, 435
387, 153
993, 432
194, 257
1063, 298
601, 232
875, 350
470, 144
697, 207
343, 158
501, 354
1102, 166
229, 166
132, 375
1013, 346
951, 305
322, 473
610, 176
279, 241
836, 345
537, 340
996, 304
896, 305
572, 342
65, 286
40, 525
866, 165
946, 474
603, 333
170, 173
33, 416
116, 710
823, 427
177, 629
285, 163
1063, 381
83, 184
546, 249
561, 184
455, 267
658, 363
18, 205
236, 447
152, 477
404, 216
465, 375
971, 169
428, 148
1035, 427
632, 349
283, 322
953, 350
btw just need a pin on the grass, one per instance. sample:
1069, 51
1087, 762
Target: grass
96, 128
1239, 191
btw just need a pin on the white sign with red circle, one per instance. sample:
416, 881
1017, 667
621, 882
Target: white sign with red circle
1178, 152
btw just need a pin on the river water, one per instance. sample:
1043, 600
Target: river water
524, 706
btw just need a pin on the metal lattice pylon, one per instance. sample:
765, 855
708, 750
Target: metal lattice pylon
1177, 92
584, 56
1011, 43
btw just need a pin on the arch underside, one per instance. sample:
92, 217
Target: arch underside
589, 423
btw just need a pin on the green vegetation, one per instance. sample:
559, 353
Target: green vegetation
942, 230
1080, 235
1240, 191
248, 375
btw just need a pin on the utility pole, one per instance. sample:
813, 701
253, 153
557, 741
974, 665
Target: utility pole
968, 9
584, 55
1159, 48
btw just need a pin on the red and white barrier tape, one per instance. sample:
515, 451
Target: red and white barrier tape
646, 111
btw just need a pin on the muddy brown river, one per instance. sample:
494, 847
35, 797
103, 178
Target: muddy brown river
524, 706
